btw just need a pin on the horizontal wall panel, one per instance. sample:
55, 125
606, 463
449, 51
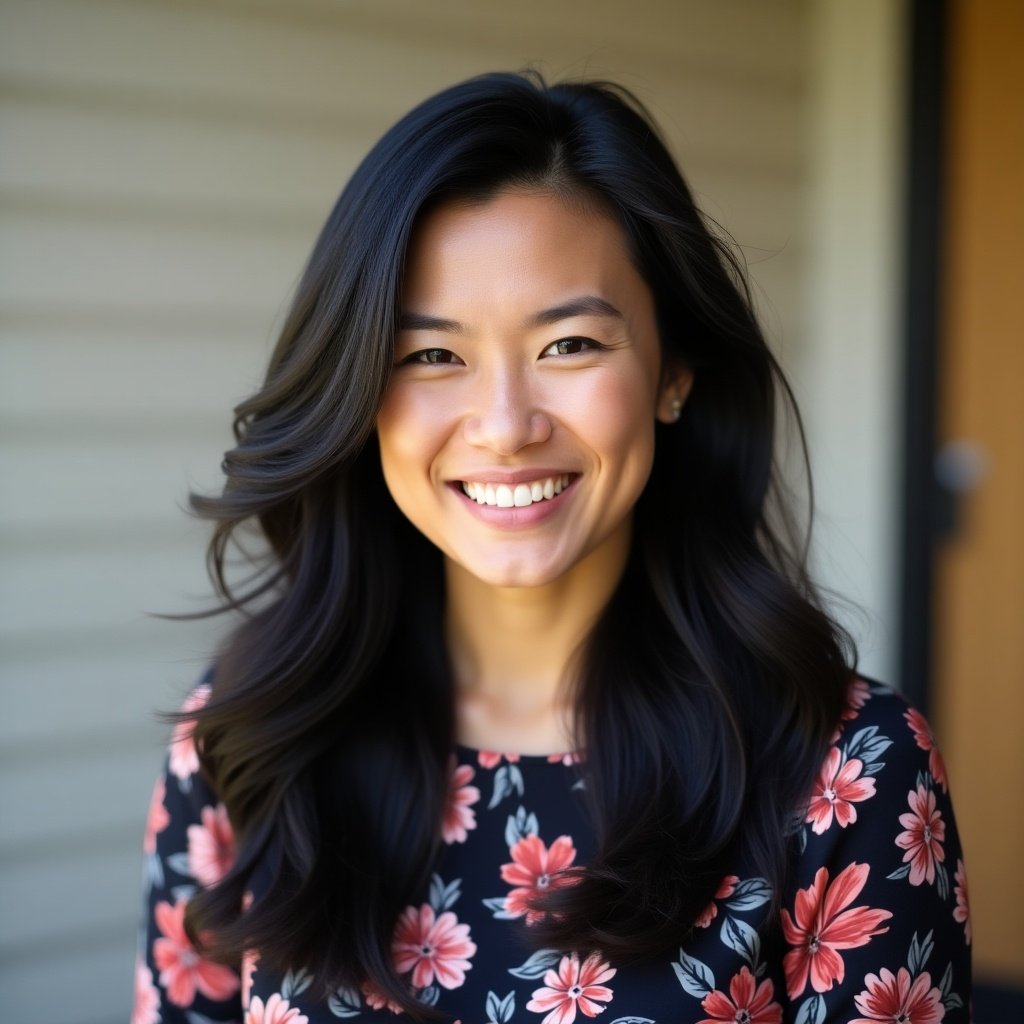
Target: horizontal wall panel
138, 157
61, 797
89, 983
80, 260
119, 477
720, 39
41, 901
55, 372
112, 585
294, 74
57, 696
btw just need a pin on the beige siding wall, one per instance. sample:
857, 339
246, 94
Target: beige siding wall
164, 167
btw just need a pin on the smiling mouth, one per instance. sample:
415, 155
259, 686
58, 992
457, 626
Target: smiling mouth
518, 495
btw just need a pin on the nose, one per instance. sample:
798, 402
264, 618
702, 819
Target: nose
506, 416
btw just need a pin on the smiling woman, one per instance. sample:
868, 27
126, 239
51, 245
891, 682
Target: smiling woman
540, 712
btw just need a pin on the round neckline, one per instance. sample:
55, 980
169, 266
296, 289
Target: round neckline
511, 756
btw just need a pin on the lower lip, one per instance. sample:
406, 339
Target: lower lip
516, 518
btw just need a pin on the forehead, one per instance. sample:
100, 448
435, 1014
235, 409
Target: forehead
519, 248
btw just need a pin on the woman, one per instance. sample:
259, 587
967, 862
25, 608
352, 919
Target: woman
536, 711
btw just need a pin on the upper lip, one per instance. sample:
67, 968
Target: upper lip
511, 477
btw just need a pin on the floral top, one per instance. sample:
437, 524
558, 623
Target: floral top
875, 927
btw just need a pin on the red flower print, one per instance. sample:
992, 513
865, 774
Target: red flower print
211, 846
376, 999
275, 1011
158, 819
924, 835
459, 817
573, 985
926, 741
182, 969
894, 998
432, 948
146, 1009
836, 790
489, 759
536, 869
725, 889
823, 924
747, 1002
184, 758
962, 910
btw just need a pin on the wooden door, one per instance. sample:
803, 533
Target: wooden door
979, 596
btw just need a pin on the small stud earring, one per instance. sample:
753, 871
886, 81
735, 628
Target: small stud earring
677, 408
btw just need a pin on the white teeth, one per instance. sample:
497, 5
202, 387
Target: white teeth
519, 496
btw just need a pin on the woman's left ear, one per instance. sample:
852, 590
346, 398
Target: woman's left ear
675, 388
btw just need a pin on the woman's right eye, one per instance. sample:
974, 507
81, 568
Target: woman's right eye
431, 355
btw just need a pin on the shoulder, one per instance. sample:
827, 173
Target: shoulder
879, 889
883, 731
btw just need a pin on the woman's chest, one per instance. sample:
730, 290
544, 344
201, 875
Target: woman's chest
466, 949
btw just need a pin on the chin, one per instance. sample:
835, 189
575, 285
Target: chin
520, 574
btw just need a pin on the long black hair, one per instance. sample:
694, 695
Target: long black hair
706, 695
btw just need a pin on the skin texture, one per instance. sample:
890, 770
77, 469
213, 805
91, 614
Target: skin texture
479, 390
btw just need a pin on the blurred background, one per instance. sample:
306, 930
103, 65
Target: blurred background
164, 168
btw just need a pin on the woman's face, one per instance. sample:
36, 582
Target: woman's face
517, 431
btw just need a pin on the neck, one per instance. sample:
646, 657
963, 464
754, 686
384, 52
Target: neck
512, 651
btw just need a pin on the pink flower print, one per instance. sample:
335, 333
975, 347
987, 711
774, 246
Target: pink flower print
490, 759
158, 819
376, 999
925, 739
182, 969
535, 869
184, 758
275, 1011
573, 985
211, 846
837, 788
567, 759
858, 694
146, 1008
894, 997
924, 835
747, 1002
725, 889
962, 910
459, 816
822, 924
432, 948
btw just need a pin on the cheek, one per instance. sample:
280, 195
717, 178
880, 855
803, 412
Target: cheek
409, 431
615, 418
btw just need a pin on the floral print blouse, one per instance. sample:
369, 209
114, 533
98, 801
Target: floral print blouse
875, 927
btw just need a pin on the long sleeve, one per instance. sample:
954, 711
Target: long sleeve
188, 843
877, 927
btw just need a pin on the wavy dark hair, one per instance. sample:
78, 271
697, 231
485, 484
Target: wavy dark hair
707, 693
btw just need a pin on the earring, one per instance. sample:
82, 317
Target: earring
677, 408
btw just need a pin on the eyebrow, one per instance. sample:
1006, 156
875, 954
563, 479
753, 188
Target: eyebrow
583, 305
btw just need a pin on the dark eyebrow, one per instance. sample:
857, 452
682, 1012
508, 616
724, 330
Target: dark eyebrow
585, 305
422, 322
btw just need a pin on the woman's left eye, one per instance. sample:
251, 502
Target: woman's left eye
569, 346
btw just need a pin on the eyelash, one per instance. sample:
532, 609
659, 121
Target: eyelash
422, 354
